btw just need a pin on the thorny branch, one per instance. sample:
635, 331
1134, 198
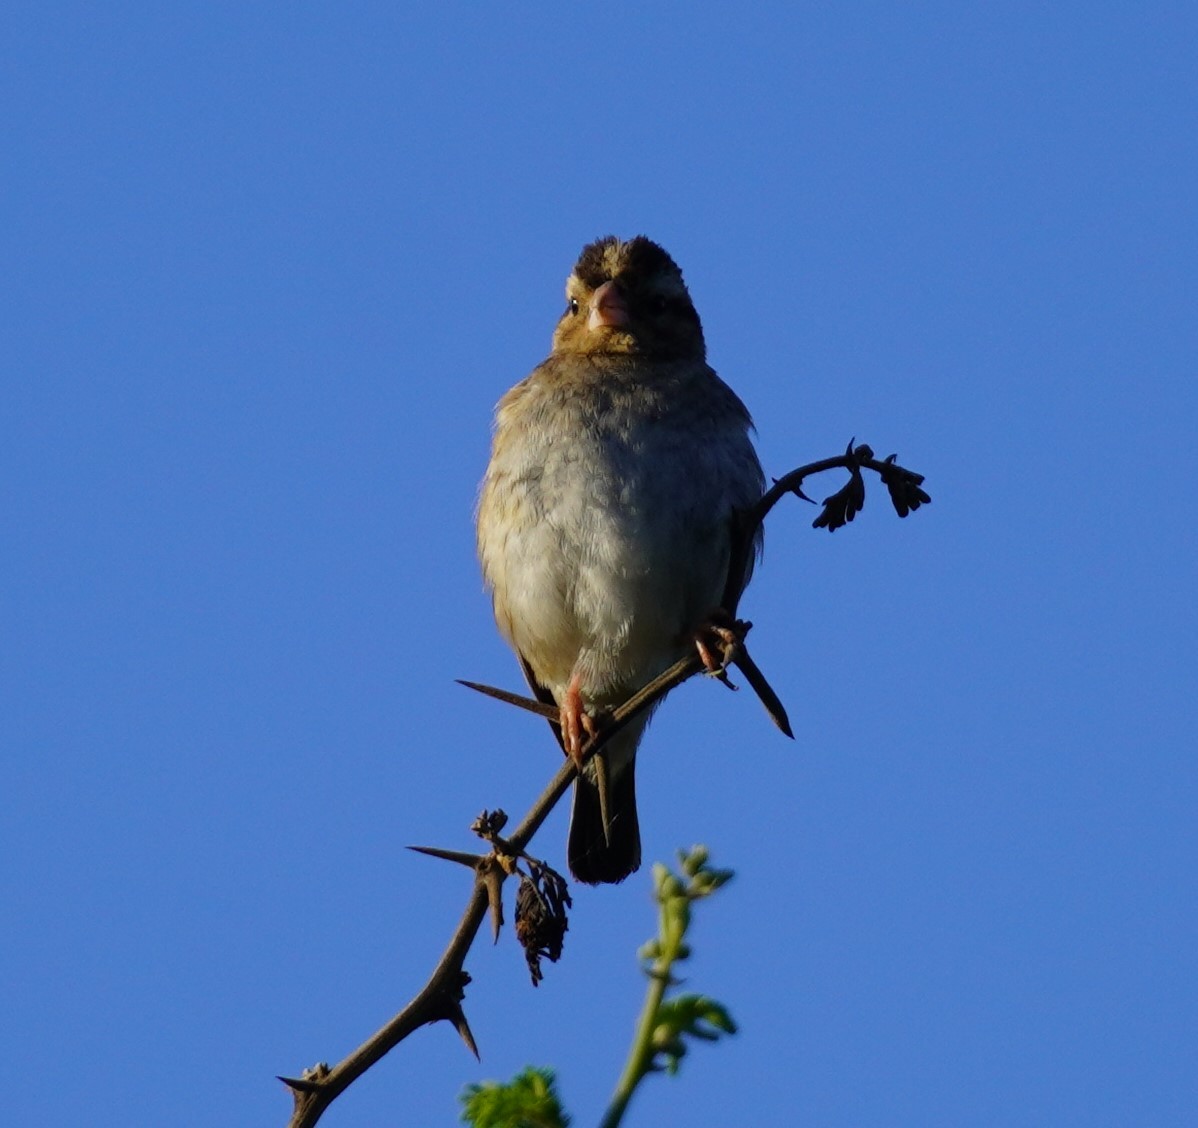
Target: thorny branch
441, 997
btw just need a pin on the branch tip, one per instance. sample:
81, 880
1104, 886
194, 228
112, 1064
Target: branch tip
489, 824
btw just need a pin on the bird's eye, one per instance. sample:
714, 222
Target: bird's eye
572, 306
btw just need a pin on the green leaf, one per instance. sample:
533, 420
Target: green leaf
688, 1016
529, 1100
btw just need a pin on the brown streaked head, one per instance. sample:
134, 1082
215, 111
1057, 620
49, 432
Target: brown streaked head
628, 298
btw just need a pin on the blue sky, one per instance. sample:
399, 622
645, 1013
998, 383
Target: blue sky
267, 270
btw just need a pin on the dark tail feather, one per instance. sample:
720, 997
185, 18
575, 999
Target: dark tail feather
593, 860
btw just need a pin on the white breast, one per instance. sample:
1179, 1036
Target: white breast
604, 531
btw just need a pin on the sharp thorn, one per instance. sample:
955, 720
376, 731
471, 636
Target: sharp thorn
463, 859
527, 703
493, 881
600, 762
458, 1018
299, 1084
764, 691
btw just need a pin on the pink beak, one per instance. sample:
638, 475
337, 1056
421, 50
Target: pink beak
608, 308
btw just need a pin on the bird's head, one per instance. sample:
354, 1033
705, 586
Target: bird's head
628, 298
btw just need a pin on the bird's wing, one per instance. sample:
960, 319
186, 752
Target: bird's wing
541, 693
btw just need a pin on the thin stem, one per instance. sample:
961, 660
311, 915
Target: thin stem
640, 1057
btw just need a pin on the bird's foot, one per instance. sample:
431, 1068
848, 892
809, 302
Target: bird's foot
578, 725
719, 639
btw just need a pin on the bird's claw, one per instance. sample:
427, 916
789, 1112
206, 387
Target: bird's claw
578, 726
718, 639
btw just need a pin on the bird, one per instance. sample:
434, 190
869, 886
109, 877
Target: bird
605, 519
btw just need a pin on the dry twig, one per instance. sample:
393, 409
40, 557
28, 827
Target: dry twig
441, 997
